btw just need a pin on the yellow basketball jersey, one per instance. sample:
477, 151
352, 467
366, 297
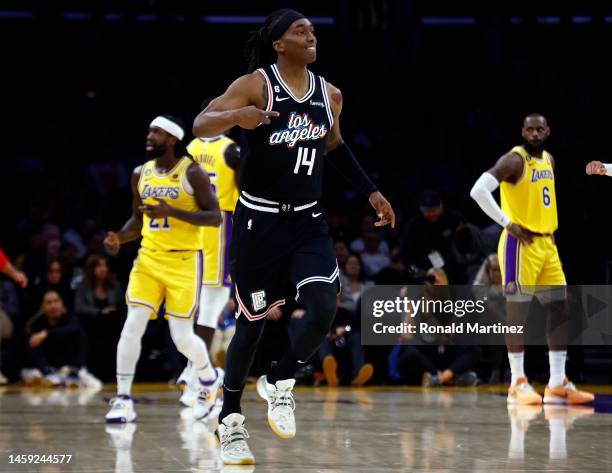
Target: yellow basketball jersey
209, 154
168, 234
531, 202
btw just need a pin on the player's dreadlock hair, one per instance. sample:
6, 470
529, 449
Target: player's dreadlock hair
258, 50
179, 147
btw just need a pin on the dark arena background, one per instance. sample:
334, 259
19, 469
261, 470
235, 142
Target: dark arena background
434, 93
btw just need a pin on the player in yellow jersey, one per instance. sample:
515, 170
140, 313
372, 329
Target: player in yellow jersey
172, 200
528, 256
219, 157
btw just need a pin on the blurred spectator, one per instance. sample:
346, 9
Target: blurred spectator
488, 283
395, 273
352, 283
51, 280
433, 365
6, 332
342, 252
428, 238
374, 260
359, 244
489, 273
226, 326
8, 299
98, 304
345, 337
56, 344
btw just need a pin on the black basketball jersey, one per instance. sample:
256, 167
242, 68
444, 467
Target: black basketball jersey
283, 161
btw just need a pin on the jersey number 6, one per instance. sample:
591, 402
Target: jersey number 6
546, 196
303, 160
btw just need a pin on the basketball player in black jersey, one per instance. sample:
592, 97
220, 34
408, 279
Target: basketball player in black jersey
290, 121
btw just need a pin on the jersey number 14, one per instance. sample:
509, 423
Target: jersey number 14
304, 160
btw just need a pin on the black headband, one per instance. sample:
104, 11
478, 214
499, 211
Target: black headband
283, 24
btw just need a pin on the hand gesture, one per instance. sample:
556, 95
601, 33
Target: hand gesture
596, 167
112, 243
521, 234
383, 210
161, 210
21, 279
251, 117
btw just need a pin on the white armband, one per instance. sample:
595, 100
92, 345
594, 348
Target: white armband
482, 193
608, 169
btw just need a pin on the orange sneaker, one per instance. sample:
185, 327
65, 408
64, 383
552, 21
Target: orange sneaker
330, 369
523, 393
365, 374
567, 393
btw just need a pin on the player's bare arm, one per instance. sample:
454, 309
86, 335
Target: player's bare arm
241, 105
334, 141
132, 228
208, 215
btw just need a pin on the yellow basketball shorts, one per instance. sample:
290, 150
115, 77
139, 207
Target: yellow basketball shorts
175, 276
527, 269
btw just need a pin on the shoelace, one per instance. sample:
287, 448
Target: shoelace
283, 402
235, 436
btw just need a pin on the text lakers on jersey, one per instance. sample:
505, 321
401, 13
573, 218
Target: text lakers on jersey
168, 234
531, 202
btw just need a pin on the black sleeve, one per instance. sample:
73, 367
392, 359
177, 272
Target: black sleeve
69, 327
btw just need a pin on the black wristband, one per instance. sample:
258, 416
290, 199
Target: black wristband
343, 159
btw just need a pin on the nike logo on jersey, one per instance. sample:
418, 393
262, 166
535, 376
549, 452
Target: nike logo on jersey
279, 99
315, 215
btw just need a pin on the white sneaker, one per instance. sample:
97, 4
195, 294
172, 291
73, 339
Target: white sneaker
207, 396
280, 405
53, 380
122, 410
189, 398
31, 376
183, 380
233, 435
88, 380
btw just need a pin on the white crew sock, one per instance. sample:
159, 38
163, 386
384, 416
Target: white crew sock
556, 360
516, 366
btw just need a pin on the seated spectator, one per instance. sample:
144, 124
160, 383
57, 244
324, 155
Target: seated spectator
352, 283
56, 345
51, 280
99, 305
434, 365
437, 364
367, 225
226, 327
8, 299
395, 274
6, 332
374, 260
345, 337
342, 252
429, 238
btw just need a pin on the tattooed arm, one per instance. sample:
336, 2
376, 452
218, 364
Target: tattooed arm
242, 105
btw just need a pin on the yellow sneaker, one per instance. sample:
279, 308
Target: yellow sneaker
330, 369
523, 393
567, 393
365, 374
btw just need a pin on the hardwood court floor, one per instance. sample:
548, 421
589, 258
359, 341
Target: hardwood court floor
339, 430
